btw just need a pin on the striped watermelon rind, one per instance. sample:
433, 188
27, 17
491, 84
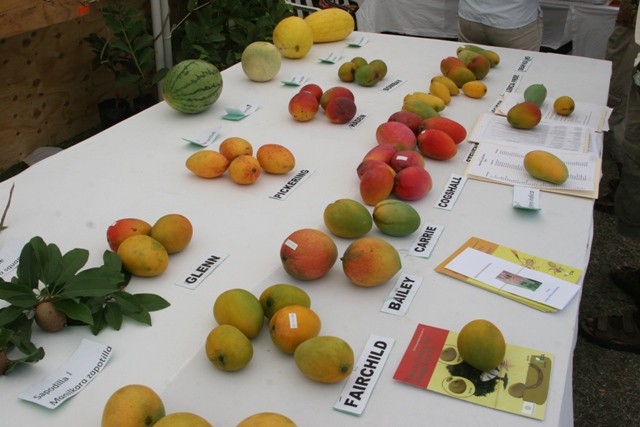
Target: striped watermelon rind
192, 86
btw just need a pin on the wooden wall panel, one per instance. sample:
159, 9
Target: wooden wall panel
21, 16
48, 90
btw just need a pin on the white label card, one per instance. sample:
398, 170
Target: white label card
363, 379
202, 270
359, 42
205, 138
400, 298
70, 378
526, 198
471, 152
525, 63
332, 58
426, 241
393, 85
298, 79
356, 121
451, 192
10, 256
513, 84
242, 111
294, 182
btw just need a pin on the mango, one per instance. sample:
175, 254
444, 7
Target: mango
308, 254
460, 75
333, 93
368, 75
207, 164
367, 164
408, 118
133, 405
546, 166
341, 110
455, 130
474, 89
453, 89
275, 159
347, 218
479, 66
535, 93
240, 308
465, 55
436, 144
370, 261
376, 185
421, 108
412, 183
448, 62
324, 359
440, 90
494, 58
347, 72
381, 65
432, 100
564, 105
266, 419
397, 134
383, 152
525, 115
303, 106
173, 231
396, 218
228, 348
405, 158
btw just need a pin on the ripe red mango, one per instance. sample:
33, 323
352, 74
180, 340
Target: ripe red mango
460, 75
383, 152
404, 159
524, 115
340, 110
436, 144
448, 62
455, 130
376, 185
397, 134
479, 66
366, 165
333, 93
412, 183
409, 118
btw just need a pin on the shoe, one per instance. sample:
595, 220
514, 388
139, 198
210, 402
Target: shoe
605, 203
615, 332
627, 279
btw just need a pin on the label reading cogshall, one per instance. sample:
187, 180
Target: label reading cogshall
293, 183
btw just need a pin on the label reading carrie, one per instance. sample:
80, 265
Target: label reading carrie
426, 240
70, 378
293, 183
202, 270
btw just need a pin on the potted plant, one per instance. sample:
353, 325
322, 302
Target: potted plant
129, 54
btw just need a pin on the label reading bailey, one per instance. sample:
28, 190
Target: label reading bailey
401, 294
366, 373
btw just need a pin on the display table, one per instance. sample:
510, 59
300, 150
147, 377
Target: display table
137, 169
587, 26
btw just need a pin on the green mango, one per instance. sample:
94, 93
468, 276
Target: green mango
535, 93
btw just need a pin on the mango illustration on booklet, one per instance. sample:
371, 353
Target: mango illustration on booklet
519, 385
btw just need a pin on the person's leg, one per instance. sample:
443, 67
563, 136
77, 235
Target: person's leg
471, 32
528, 37
627, 200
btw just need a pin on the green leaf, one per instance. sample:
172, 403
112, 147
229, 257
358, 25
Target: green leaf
132, 308
28, 271
74, 310
112, 260
51, 270
127, 80
159, 75
99, 323
17, 295
5, 336
71, 263
113, 315
119, 44
35, 356
10, 314
22, 336
152, 302
144, 41
93, 282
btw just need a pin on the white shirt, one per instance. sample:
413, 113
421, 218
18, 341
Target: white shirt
502, 14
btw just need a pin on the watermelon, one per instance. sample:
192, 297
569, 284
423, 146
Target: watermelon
191, 86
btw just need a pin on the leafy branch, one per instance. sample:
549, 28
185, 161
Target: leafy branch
51, 290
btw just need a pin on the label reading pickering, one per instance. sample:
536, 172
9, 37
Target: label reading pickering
202, 270
400, 298
70, 378
363, 379
426, 240
293, 183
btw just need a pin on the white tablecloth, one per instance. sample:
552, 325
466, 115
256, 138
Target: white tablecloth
587, 26
137, 169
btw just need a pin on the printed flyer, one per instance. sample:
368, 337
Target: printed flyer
520, 385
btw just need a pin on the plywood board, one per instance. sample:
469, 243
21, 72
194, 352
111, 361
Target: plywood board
20, 16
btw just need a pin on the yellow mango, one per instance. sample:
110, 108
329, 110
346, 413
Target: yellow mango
440, 90
429, 99
453, 89
546, 166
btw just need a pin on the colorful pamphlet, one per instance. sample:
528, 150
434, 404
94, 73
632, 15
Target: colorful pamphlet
537, 282
520, 385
